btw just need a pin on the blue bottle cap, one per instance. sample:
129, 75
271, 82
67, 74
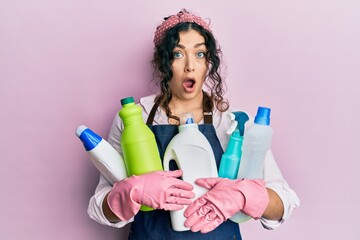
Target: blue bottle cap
89, 138
187, 118
263, 116
189, 121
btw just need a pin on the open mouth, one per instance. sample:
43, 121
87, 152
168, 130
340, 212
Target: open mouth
189, 85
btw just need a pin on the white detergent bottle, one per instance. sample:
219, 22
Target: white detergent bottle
104, 157
257, 141
193, 154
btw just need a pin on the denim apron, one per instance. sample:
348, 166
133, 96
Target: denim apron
156, 224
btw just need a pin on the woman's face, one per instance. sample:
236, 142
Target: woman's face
189, 66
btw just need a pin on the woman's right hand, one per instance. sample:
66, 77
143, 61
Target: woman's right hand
159, 190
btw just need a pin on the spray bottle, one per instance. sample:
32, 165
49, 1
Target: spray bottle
138, 142
257, 141
230, 160
104, 157
193, 154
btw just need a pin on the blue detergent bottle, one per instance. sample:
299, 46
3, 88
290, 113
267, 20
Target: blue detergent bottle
230, 160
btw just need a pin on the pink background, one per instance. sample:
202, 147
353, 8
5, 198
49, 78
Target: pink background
67, 63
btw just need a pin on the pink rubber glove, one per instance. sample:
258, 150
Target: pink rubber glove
225, 198
159, 190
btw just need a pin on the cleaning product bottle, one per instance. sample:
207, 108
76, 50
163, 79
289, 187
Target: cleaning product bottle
193, 154
230, 160
104, 157
138, 142
257, 141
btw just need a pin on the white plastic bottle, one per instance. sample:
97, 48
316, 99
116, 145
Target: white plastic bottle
257, 141
193, 154
104, 157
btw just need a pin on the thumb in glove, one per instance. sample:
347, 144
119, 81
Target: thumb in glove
159, 190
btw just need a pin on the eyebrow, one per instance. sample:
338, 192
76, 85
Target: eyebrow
195, 46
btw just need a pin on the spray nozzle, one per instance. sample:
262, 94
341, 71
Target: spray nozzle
233, 123
238, 120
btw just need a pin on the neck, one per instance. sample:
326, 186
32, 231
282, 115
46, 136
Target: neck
195, 106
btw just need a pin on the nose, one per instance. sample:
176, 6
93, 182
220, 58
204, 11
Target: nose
189, 65
189, 69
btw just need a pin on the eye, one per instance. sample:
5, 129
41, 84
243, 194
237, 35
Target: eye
178, 54
200, 54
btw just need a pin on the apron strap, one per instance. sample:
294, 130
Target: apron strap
152, 114
207, 110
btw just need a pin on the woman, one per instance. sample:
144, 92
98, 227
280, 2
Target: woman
186, 61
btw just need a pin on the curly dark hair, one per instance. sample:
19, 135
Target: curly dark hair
163, 58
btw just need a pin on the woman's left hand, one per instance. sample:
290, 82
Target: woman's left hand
224, 199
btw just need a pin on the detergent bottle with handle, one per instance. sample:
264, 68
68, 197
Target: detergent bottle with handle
193, 154
104, 157
141, 154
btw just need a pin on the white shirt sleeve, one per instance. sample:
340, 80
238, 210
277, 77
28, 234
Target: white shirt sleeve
275, 181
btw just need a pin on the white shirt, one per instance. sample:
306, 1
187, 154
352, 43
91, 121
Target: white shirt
221, 122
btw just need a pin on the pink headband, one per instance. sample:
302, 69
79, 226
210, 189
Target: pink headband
181, 17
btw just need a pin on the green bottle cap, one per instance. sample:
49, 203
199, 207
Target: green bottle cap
127, 100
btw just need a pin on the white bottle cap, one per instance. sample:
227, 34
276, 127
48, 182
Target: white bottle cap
80, 129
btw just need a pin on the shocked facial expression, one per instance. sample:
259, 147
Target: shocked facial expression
189, 66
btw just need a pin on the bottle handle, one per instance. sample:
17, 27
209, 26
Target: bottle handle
168, 156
